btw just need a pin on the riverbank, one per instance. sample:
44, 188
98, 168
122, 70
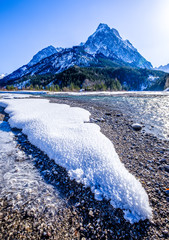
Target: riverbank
144, 156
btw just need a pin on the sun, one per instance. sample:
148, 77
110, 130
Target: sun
162, 15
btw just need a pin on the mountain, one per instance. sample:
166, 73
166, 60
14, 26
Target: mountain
164, 68
109, 42
55, 63
46, 52
104, 48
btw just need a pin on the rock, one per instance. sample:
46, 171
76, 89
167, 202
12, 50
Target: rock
136, 126
165, 233
162, 161
166, 168
91, 213
2, 117
167, 192
100, 119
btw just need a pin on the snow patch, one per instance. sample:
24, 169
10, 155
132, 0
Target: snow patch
89, 157
152, 78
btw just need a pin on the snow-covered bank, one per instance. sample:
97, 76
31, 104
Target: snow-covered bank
82, 149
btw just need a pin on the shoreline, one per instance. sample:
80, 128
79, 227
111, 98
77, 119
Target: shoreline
141, 154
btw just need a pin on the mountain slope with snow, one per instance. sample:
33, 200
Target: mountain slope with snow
46, 52
55, 63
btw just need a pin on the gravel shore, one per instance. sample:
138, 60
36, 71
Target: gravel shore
82, 217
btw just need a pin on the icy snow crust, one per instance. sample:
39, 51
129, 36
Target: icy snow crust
61, 132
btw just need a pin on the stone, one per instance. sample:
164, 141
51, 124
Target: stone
162, 161
136, 126
2, 117
166, 168
91, 213
165, 233
167, 192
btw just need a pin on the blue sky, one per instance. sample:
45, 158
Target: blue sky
27, 26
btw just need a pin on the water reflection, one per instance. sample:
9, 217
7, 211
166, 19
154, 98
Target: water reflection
151, 111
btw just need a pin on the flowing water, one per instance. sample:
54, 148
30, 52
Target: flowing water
151, 110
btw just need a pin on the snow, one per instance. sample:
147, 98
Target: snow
62, 133
152, 78
24, 68
2, 75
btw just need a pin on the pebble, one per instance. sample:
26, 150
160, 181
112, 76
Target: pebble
166, 233
166, 168
136, 126
167, 192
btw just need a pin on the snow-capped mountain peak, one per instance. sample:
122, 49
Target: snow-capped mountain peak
102, 27
109, 43
45, 52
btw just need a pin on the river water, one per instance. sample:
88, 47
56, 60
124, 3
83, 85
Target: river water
151, 110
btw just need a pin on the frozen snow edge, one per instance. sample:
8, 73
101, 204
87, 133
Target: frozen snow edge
89, 157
